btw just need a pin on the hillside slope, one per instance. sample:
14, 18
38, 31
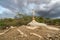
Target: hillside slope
31, 33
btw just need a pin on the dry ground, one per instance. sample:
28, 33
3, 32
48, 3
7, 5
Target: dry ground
30, 33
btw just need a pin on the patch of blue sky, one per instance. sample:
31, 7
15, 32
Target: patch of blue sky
2, 9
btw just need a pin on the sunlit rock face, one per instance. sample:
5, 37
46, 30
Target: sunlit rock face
33, 33
35, 23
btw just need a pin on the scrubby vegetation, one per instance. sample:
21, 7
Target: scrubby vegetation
24, 19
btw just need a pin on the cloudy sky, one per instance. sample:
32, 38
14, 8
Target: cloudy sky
45, 8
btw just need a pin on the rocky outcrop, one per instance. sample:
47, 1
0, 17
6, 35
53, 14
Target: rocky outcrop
25, 33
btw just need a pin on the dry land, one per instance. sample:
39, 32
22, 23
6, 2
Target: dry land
30, 33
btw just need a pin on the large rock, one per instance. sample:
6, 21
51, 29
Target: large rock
34, 23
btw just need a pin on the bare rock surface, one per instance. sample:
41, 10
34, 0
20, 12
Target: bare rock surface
33, 33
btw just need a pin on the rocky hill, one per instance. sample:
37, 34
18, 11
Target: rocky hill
30, 33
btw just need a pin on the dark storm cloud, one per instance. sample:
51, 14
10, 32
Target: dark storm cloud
53, 12
45, 8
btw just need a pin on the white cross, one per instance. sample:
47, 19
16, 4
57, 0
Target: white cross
33, 12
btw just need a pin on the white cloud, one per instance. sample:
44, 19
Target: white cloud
28, 5
53, 2
43, 7
15, 1
49, 6
2, 9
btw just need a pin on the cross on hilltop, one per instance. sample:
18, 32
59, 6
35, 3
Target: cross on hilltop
33, 14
